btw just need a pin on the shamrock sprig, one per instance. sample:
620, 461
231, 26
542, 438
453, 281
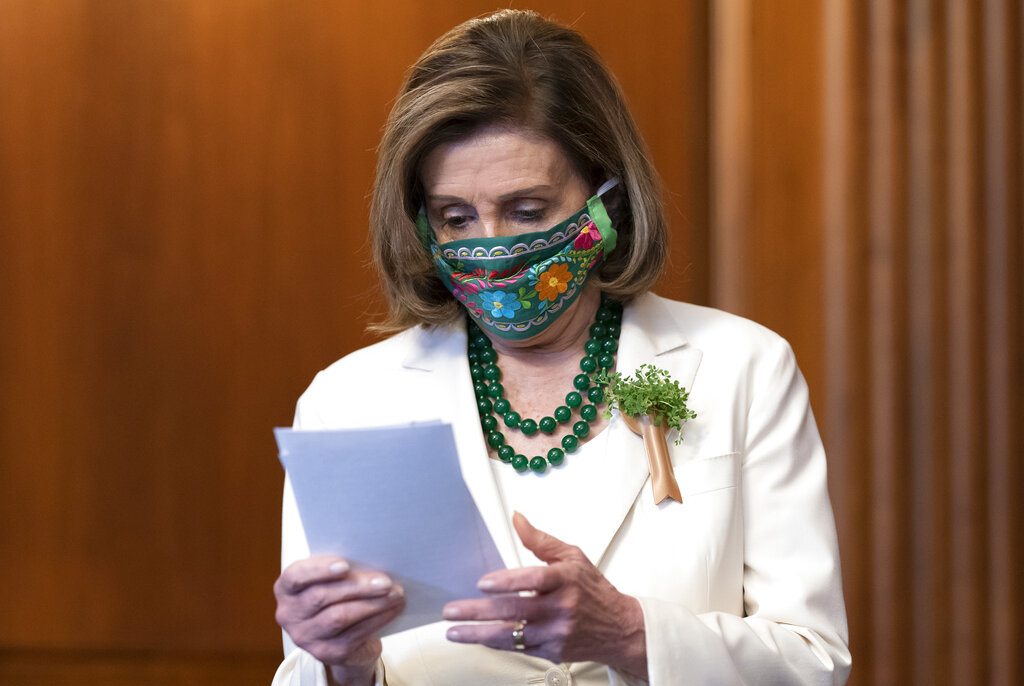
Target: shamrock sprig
652, 392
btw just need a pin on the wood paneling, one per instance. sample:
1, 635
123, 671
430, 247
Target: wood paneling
915, 108
183, 201
132, 668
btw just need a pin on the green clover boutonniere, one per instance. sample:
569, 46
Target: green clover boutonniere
651, 404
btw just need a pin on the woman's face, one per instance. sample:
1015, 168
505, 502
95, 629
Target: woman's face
499, 182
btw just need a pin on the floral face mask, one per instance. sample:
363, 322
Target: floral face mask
516, 286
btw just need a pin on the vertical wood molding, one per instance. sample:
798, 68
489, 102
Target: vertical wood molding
846, 246
926, 372
967, 378
1002, 221
886, 296
939, 153
732, 142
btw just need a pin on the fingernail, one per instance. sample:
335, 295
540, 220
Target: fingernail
486, 584
451, 613
380, 582
339, 567
453, 635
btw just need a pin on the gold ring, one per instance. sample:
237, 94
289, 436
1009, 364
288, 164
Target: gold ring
518, 639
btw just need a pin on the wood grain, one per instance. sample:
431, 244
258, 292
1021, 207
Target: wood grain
183, 203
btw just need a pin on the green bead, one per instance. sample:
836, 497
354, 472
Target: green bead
616, 317
484, 405
477, 372
480, 339
489, 423
528, 427
592, 347
502, 405
604, 315
588, 412
520, 463
598, 330
573, 399
613, 330
547, 424
480, 388
496, 439
538, 464
609, 345
472, 356
495, 390
492, 373
595, 394
581, 382
581, 429
606, 360
506, 453
563, 414
511, 419
588, 364
556, 456
488, 355
569, 443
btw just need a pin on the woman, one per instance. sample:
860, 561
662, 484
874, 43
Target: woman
517, 230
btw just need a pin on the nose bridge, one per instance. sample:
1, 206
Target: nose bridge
490, 228
491, 223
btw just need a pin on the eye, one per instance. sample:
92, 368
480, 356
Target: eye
455, 221
527, 216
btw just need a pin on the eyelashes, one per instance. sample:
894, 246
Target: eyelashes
461, 221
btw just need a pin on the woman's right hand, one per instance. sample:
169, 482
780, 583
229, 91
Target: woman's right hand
333, 612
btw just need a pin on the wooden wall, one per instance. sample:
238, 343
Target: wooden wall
183, 200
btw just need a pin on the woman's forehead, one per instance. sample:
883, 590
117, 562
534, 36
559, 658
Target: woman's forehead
502, 159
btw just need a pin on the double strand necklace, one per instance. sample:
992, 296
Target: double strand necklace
599, 354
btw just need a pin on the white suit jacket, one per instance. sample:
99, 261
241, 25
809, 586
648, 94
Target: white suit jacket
739, 583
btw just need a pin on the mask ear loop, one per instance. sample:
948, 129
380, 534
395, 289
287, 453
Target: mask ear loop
607, 186
600, 217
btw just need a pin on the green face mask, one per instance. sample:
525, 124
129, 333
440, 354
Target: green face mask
516, 286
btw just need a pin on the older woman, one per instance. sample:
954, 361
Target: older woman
517, 230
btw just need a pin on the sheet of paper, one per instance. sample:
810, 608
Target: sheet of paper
392, 499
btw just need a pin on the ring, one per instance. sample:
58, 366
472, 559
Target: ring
518, 639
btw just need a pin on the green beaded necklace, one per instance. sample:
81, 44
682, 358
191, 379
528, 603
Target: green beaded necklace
600, 352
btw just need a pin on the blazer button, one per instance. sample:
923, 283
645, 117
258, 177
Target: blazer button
557, 677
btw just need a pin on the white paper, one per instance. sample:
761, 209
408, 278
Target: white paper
392, 499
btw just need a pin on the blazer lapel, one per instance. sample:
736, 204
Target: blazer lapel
650, 336
442, 351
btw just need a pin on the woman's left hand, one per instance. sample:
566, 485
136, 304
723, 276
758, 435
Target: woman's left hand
572, 614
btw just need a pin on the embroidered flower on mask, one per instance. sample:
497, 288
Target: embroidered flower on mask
554, 281
588, 235
499, 303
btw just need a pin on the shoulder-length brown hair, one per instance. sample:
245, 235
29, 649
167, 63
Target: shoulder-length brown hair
511, 68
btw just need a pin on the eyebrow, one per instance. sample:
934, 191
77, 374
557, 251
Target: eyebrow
518, 193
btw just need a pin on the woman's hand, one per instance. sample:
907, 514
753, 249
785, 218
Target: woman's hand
333, 612
574, 613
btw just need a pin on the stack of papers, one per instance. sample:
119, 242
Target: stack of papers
392, 499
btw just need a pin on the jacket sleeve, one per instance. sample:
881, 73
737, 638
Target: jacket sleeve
794, 629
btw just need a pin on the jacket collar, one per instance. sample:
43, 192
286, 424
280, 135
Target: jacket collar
649, 335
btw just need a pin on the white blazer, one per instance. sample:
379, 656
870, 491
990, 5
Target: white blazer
739, 583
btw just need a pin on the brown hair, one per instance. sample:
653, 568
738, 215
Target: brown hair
510, 68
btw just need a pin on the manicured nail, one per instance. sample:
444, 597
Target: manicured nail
339, 567
486, 584
451, 613
380, 583
453, 635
